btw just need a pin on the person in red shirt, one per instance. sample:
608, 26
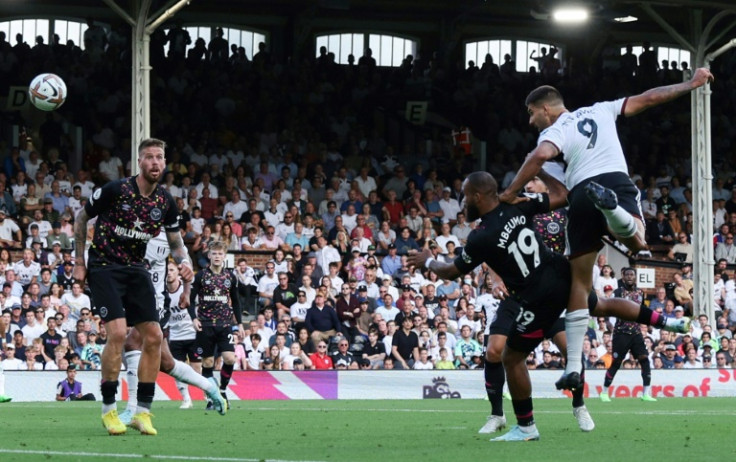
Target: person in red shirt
393, 210
321, 359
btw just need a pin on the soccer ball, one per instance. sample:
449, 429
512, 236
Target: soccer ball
47, 92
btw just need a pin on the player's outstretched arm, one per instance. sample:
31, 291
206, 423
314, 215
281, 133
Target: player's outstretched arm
556, 190
442, 269
660, 95
531, 168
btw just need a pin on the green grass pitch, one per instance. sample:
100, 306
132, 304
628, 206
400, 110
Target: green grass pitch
672, 429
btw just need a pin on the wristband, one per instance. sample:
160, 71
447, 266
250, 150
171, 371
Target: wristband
428, 261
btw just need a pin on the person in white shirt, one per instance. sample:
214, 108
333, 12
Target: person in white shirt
326, 255
366, 183
266, 285
388, 310
86, 186
33, 329
205, 183
446, 237
236, 206
76, 301
424, 363
449, 206
110, 168
27, 270
11, 363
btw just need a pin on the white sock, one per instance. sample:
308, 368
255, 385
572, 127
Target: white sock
576, 323
528, 428
184, 390
108, 407
646, 390
620, 221
132, 358
184, 373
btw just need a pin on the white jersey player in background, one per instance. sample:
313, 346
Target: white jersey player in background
182, 336
157, 254
602, 197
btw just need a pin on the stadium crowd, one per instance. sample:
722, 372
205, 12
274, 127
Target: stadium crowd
278, 155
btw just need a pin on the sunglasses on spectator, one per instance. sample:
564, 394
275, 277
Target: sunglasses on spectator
322, 347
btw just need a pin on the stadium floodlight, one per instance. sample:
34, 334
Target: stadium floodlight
570, 15
626, 19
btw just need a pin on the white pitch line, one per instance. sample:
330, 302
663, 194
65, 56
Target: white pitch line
295, 408
139, 456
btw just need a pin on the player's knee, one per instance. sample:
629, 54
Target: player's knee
228, 359
167, 363
494, 355
208, 362
116, 337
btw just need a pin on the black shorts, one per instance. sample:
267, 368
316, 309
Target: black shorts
529, 317
623, 343
186, 349
215, 336
586, 224
123, 292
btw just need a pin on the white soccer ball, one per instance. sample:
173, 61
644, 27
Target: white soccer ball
47, 92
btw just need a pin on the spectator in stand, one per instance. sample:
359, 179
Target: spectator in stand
682, 251
321, 320
320, 359
405, 346
284, 295
726, 250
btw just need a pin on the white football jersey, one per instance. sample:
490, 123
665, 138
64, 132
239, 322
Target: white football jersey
489, 304
588, 141
157, 252
180, 323
24, 274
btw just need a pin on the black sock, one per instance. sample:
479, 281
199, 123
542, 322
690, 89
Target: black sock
649, 317
646, 371
577, 394
207, 372
145, 395
524, 410
225, 373
611, 373
109, 389
495, 378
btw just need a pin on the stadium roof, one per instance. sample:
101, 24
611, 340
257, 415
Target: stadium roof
505, 13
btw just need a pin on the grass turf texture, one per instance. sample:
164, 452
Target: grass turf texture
428, 430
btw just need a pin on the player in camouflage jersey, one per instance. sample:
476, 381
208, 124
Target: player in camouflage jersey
216, 314
157, 256
130, 212
627, 337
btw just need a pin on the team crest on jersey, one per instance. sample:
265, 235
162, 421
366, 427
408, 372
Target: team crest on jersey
553, 228
208, 281
103, 312
156, 214
96, 195
466, 258
200, 350
227, 283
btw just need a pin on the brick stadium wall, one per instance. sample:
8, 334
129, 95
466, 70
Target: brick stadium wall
255, 258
